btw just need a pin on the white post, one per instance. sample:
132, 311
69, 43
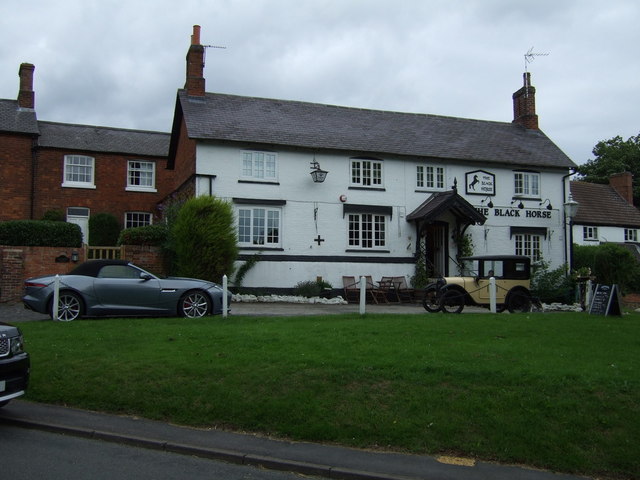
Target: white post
224, 296
492, 294
363, 295
587, 295
56, 298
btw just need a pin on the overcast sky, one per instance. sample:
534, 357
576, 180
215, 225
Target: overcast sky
120, 63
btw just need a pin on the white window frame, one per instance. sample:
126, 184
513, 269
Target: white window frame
259, 166
526, 184
590, 233
630, 234
259, 226
430, 177
366, 172
529, 245
138, 171
137, 219
76, 167
367, 231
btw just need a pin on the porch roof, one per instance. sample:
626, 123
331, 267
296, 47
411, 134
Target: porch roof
441, 202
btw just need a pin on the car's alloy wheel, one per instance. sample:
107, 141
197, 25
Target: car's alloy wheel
452, 301
194, 305
69, 307
430, 300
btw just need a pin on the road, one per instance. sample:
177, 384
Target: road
27, 454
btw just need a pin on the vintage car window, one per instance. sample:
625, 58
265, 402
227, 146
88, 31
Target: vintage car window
118, 271
493, 268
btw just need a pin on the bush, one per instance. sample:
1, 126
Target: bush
40, 233
552, 285
204, 239
310, 288
104, 230
155, 235
610, 264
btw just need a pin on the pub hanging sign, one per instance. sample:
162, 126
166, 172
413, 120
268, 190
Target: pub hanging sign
480, 182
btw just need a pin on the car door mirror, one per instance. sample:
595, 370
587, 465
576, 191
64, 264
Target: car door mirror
145, 276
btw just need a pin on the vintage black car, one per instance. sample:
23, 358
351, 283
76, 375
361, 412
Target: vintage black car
14, 364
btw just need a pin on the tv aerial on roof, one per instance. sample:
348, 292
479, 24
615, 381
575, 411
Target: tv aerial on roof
530, 56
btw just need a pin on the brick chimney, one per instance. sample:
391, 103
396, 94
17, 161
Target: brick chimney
195, 83
623, 184
524, 105
26, 95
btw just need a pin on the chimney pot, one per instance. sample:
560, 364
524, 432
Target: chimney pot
195, 38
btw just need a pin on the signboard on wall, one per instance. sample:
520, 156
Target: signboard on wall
480, 182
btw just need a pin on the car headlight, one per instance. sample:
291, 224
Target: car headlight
17, 345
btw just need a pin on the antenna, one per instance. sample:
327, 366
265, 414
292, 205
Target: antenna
204, 59
530, 56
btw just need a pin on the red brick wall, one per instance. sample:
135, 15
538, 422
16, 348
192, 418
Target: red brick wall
20, 263
15, 176
110, 194
146, 257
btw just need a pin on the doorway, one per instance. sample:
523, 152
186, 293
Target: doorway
436, 248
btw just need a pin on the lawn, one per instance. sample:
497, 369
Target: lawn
555, 391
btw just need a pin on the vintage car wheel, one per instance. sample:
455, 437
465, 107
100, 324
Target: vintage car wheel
194, 304
452, 301
519, 302
69, 307
430, 300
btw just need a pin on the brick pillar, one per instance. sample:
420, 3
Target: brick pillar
11, 274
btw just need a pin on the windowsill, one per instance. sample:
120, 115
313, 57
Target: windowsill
141, 189
78, 185
272, 249
525, 197
368, 250
374, 189
261, 182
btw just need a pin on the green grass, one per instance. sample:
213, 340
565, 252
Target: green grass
556, 391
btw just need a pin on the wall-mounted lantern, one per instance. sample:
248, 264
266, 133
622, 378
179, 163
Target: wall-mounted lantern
74, 257
520, 205
317, 174
548, 202
490, 204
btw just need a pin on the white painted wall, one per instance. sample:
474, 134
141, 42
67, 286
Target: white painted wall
299, 229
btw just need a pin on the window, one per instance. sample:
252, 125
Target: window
119, 271
137, 219
259, 227
367, 230
529, 245
590, 233
78, 171
366, 173
141, 175
630, 235
527, 184
430, 177
259, 166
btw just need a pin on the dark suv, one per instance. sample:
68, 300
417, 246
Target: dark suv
14, 364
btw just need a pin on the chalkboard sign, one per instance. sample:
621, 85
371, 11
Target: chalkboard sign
606, 300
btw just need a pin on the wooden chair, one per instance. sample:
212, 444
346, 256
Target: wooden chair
402, 290
388, 286
377, 294
351, 289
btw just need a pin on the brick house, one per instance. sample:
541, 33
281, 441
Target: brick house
79, 170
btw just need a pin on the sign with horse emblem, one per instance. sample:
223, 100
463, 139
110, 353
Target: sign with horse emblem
480, 182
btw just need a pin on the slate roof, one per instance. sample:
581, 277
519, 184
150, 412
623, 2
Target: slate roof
601, 205
223, 117
103, 139
17, 120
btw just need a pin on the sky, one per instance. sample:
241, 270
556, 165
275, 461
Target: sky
120, 63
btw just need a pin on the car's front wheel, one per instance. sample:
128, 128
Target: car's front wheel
452, 301
69, 307
430, 300
194, 304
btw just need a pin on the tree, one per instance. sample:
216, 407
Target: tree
614, 156
204, 239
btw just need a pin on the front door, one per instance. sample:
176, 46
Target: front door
80, 216
436, 248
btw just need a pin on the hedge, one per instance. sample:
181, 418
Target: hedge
40, 233
155, 235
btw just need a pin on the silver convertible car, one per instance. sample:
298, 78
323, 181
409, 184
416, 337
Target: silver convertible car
118, 288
